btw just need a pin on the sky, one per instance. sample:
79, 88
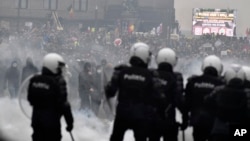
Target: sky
184, 12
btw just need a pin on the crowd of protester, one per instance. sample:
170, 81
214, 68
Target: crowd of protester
101, 41
92, 46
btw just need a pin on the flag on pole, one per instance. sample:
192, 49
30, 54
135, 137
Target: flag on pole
71, 11
159, 29
247, 31
131, 28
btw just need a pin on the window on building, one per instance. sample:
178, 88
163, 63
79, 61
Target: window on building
21, 4
46, 4
24, 3
53, 4
80, 5
50, 4
76, 5
84, 5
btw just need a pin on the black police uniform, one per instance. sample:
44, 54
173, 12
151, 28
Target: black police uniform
167, 97
229, 104
47, 93
197, 88
134, 84
247, 90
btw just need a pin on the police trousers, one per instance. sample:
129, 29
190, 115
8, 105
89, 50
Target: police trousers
122, 124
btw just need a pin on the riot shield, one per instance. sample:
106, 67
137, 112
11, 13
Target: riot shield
22, 97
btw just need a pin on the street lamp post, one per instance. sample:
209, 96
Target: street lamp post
96, 16
18, 15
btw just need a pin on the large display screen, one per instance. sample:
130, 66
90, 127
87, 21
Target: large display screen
214, 21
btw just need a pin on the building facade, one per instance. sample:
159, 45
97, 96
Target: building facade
108, 11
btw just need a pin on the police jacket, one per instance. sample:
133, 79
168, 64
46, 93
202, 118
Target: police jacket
229, 102
168, 95
134, 85
247, 90
47, 93
198, 87
179, 82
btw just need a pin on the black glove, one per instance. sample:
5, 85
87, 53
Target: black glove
69, 128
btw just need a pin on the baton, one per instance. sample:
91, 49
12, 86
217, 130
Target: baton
183, 135
72, 137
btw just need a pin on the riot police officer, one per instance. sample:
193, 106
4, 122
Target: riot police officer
197, 88
229, 104
168, 96
134, 85
47, 94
